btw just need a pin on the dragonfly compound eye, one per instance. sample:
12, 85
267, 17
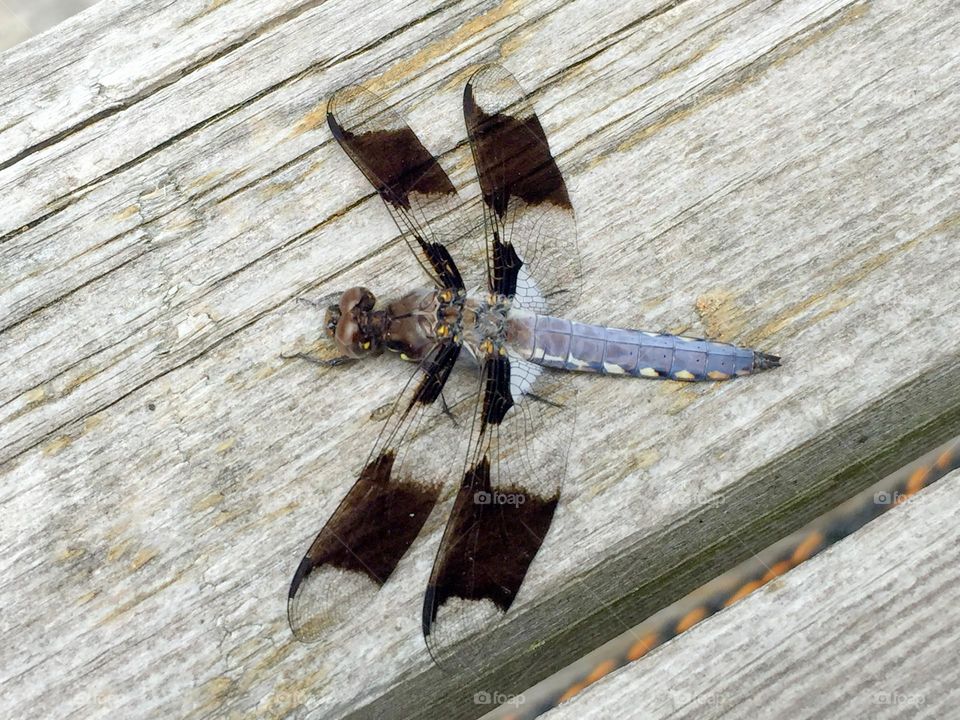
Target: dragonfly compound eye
359, 298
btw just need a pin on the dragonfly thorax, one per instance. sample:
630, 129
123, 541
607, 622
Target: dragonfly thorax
410, 325
485, 324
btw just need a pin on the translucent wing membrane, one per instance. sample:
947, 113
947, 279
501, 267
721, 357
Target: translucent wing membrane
382, 514
529, 224
509, 491
523, 417
417, 192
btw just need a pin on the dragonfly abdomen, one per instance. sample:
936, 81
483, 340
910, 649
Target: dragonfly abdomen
569, 345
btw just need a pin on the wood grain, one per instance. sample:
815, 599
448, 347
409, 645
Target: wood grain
779, 174
856, 632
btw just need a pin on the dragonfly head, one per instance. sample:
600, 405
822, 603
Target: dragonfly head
354, 324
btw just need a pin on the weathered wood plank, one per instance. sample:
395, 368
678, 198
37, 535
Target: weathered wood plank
765, 569
867, 629
778, 174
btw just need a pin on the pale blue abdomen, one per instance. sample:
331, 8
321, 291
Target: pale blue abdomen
568, 345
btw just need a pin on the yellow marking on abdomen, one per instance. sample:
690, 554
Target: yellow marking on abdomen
649, 372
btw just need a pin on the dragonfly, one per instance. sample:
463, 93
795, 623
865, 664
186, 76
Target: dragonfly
487, 332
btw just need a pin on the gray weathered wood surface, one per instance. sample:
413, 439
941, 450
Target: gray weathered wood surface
782, 174
866, 630
897, 562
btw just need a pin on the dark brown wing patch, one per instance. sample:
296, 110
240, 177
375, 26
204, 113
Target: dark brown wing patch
510, 148
530, 228
497, 398
503, 509
417, 192
375, 524
495, 542
436, 370
393, 513
394, 161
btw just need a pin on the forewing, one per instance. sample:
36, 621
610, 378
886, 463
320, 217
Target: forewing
382, 514
529, 225
515, 467
417, 192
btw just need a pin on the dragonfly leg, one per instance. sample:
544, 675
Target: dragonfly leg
534, 396
322, 362
320, 303
446, 409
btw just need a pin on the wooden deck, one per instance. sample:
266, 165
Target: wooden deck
781, 174
857, 632
879, 599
